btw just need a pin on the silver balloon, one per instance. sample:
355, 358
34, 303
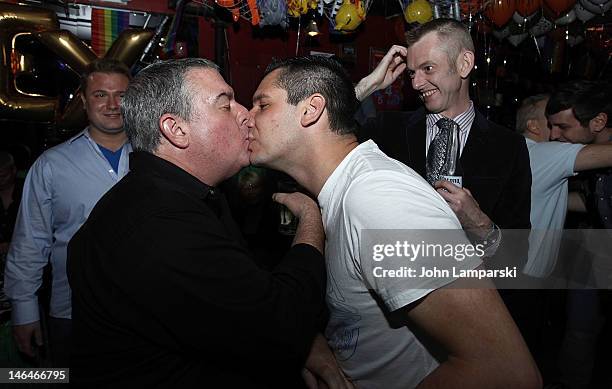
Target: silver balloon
542, 27
502, 33
597, 9
574, 40
517, 39
566, 19
582, 13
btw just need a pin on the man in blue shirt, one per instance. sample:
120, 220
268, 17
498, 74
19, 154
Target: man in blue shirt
60, 190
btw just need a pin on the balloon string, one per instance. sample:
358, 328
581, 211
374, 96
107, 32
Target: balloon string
297, 44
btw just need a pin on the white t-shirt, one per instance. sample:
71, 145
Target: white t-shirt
369, 190
551, 165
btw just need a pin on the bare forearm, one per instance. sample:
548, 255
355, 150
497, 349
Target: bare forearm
310, 231
364, 88
593, 157
468, 374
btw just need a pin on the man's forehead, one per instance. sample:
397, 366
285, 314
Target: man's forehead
209, 84
268, 86
107, 81
561, 116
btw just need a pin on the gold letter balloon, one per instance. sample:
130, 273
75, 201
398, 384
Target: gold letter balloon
42, 24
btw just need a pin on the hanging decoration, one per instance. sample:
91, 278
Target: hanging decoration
526, 21
500, 11
598, 8
349, 16
43, 25
582, 13
502, 33
106, 25
526, 8
517, 39
566, 19
273, 13
418, 11
559, 6
300, 7
541, 27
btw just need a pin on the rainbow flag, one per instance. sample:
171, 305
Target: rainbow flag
106, 25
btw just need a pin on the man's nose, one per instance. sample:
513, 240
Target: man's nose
113, 102
417, 81
555, 133
244, 117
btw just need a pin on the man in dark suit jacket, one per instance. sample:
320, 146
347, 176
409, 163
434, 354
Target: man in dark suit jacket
494, 160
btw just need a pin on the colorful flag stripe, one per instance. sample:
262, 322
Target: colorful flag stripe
106, 25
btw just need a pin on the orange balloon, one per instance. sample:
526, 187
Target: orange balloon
560, 6
500, 11
527, 7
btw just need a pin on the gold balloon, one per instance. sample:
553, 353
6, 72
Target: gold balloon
129, 45
69, 48
14, 105
349, 16
418, 11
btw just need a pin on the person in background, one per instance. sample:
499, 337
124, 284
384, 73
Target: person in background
580, 112
493, 163
61, 188
10, 198
552, 163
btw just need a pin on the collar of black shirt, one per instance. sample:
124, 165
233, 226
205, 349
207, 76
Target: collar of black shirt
142, 162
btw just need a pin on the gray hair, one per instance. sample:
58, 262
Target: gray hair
528, 111
156, 90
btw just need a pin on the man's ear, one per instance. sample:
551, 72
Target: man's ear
312, 109
465, 63
82, 95
533, 127
599, 122
174, 130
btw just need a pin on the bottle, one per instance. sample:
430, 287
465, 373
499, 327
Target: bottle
451, 171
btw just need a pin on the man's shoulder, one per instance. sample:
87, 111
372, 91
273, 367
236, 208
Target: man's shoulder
62, 151
500, 132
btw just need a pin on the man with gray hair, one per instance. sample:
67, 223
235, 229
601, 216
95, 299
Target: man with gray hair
169, 296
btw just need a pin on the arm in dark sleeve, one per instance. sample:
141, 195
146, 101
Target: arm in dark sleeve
515, 204
512, 213
216, 298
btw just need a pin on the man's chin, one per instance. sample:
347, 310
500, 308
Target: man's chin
112, 130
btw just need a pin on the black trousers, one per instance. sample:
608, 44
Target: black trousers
60, 341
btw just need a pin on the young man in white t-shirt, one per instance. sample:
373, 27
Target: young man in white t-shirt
303, 125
